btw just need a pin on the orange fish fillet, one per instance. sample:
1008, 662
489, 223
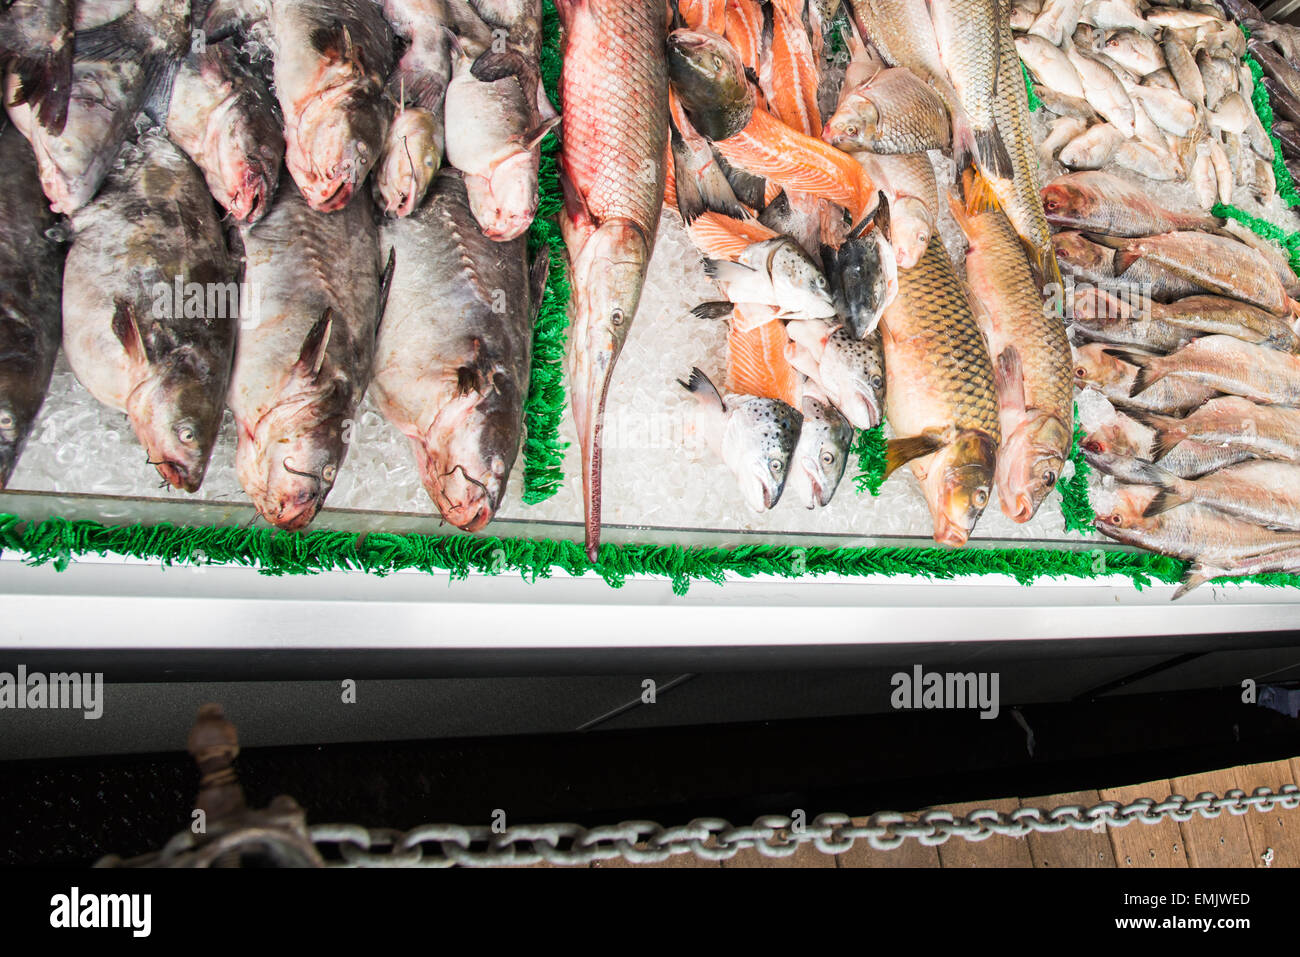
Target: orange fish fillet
709, 14
767, 147
756, 362
743, 26
792, 90
722, 237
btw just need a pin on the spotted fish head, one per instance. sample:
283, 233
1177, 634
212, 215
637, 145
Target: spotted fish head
709, 78
758, 443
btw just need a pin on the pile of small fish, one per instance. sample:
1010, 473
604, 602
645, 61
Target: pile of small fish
1189, 362
820, 229
144, 121
1276, 47
1155, 88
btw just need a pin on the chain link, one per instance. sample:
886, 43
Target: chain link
772, 835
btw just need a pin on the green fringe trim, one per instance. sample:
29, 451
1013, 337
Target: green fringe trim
1290, 242
1264, 109
869, 447
1076, 509
544, 408
57, 541
1034, 101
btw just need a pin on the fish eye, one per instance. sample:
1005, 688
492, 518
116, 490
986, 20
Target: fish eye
1050, 204
1093, 445
186, 434
362, 148
828, 458
717, 63
7, 420
1116, 519
1049, 478
329, 472
616, 317
876, 381
851, 130
776, 465
1080, 372
980, 497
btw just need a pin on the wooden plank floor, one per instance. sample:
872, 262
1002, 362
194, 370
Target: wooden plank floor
1248, 840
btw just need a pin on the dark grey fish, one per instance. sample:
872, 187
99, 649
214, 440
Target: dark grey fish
36, 48
31, 278
453, 355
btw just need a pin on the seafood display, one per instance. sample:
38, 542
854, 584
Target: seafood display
298, 251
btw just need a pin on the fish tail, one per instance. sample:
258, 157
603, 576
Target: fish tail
1044, 262
991, 154
964, 147
45, 82
1167, 430
1197, 574
702, 387
1147, 372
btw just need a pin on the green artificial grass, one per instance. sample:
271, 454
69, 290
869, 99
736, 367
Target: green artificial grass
869, 448
543, 452
1034, 101
1076, 509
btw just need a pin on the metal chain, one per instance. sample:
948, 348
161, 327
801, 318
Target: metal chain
773, 835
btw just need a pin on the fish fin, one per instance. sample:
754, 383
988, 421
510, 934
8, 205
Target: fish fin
1145, 374
748, 188
752, 75
1009, 381
416, 88
493, 65
899, 452
724, 270
115, 42
334, 42
715, 309
991, 154
575, 210
1125, 258
690, 202
311, 357
160, 78
127, 331
538, 272
964, 149
880, 218
533, 137
1165, 500
1166, 437
678, 22
978, 192
385, 287
45, 82
1197, 574
702, 387
1042, 259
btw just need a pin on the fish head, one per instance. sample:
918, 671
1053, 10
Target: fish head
708, 77
821, 455
1067, 204
758, 442
466, 456
853, 125
1122, 517
854, 376
1119, 435
1030, 463
606, 279
958, 482
411, 157
176, 413
1093, 367
801, 288
505, 201
290, 464
910, 228
866, 277
333, 145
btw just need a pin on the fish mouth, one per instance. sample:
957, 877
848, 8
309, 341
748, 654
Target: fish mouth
463, 500
331, 198
251, 200
177, 475
1021, 510
821, 495
948, 532
295, 517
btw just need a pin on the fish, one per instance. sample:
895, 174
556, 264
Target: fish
1099, 316
1049, 65
1215, 263
911, 193
519, 24
1154, 162
36, 47
331, 61
74, 162
1230, 422
1057, 20
863, 277
1219, 77
1032, 365
1018, 195
302, 367
1116, 433
1061, 105
755, 437
1215, 544
1276, 66
700, 183
1288, 135
1104, 91
1199, 315
1167, 109
1135, 51
708, 78
150, 306
893, 112
1092, 149
788, 74
31, 291
939, 395
821, 455
1235, 115
226, 120
1112, 372
152, 30
1115, 15
414, 143
453, 352
1090, 262
492, 138
776, 272
1225, 364
757, 364
1064, 130
849, 372
967, 31
614, 90
1284, 102
1099, 202
1182, 65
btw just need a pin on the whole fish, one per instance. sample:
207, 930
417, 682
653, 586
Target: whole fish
1263, 431
1215, 543
912, 194
1176, 323
755, 437
36, 48
776, 272
614, 87
74, 162
331, 62
1018, 195
413, 147
453, 353
1032, 365
302, 367
708, 77
1167, 109
939, 395
1057, 20
893, 112
1185, 72
1092, 149
1135, 51
1218, 76
1260, 492
1091, 262
31, 278
1103, 89
151, 309
1064, 130
1049, 65
223, 116
1225, 364
1215, 263
821, 454
850, 372
967, 31
1098, 202
1114, 374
